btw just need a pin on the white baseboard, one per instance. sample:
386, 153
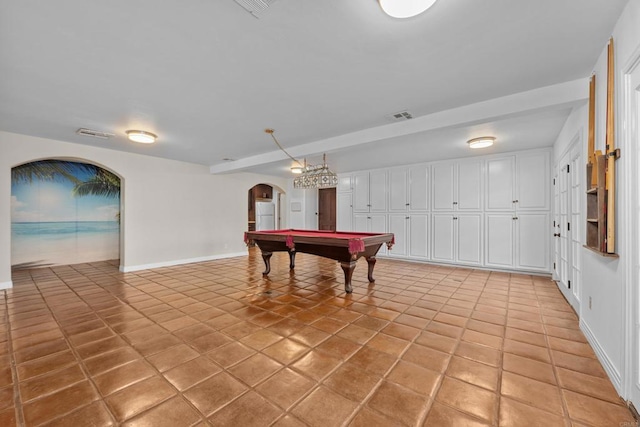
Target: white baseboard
614, 374
130, 268
6, 285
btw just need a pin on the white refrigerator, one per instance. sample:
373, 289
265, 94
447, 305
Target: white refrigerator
265, 216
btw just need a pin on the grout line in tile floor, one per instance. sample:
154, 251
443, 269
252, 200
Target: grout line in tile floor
461, 302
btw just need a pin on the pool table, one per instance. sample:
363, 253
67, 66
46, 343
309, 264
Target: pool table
344, 247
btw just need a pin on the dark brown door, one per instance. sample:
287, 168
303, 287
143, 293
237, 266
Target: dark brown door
327, 209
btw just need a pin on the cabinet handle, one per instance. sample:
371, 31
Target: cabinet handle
406, 217
407, 204
369, 205
556, 234
514, 218
455, 203
368, 217
455, 217
515, 201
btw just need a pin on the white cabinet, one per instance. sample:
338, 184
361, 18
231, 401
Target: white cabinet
419, 236
345, 182
457, 186
469, 186
344, 211
457, 238
532, 236
370, 191
399, 226
408, 189
499, 247
371, 223
532, 181
518, 241
500, 184
411, 232
518, 182
442, 187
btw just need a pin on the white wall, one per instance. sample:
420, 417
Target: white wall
172, 212
603, 279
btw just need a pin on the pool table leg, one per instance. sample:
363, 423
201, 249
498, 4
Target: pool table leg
292, 259
371, 262
266, 256
348, 268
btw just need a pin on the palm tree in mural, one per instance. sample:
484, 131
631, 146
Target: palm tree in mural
50, 170
101, 183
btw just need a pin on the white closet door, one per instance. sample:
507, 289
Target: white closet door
469, 186
419, 236
500, 184
442, 187
398, 190
532, 180
361, 192
499, 235
532, 236
469, 235
419, 188
344, 214
398, 225
442, 232
378, 191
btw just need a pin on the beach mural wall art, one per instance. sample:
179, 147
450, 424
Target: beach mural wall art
63, 212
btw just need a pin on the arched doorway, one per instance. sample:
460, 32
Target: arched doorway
265, 207
63, 212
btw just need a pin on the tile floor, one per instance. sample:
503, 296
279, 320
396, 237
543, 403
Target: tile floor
215, 343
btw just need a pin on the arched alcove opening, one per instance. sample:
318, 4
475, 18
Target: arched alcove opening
64, 211
265, 207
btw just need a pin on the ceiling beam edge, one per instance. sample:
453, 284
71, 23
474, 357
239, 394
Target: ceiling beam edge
540, 99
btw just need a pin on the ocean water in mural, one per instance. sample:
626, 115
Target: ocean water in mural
63, 213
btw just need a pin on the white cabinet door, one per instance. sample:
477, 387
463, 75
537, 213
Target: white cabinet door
378, 224
419, 188
500, 184
398, 225
533, 231
532, 180
378, 191
499, 238
442, 187
469, 238
361, 222
344, 212
469, 186
419, 236
361, 192
398, 190
344, 183
442, 229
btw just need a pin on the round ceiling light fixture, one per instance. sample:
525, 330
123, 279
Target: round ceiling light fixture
296, 169
141, 136
482, 142
405, 8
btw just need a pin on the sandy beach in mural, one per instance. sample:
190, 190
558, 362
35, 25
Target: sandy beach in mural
40, 244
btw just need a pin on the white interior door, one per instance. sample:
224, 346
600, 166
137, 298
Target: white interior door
633, 322
565, 262
577, 222
556, 226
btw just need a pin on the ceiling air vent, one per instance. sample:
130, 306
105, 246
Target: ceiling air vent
94, 133
401, 116
255, 7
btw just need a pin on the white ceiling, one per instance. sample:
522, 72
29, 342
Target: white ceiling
208, 77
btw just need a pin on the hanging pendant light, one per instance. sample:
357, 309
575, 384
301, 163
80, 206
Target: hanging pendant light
309, 176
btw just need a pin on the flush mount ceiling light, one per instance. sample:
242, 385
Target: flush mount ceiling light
482, 142
296, 169
141, 136
405, 8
